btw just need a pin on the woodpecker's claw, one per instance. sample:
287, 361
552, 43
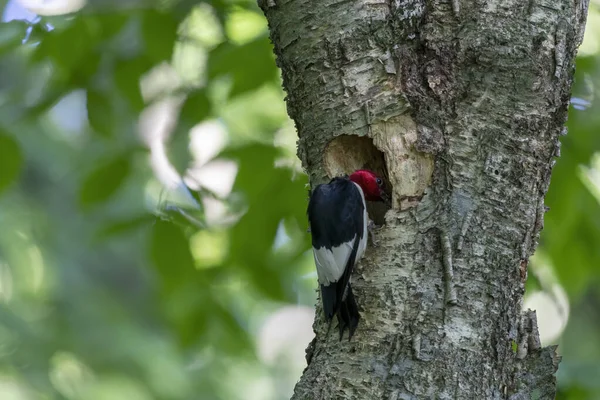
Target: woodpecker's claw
348, 315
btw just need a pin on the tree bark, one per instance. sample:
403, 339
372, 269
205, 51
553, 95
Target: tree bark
466, 101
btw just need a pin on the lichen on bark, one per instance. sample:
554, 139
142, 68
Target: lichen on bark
466, 100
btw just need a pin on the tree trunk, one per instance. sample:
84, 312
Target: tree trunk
460, 104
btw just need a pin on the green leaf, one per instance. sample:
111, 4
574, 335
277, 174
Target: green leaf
120, 227
55, 90
104, 181
194, 321
171, 255
235, 337
72, 50
196, 108
37, 33
86, 70
69, 47
159, 30
100, 112
12, 34
11, 161
127, 75
111, 23
182, 8
178, 149
250, 65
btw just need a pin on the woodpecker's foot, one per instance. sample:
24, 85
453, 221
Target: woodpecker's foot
348, 316
354, 318
347, 320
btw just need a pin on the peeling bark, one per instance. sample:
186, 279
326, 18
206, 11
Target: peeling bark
466, 100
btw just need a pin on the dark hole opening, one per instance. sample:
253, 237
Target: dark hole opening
347, 153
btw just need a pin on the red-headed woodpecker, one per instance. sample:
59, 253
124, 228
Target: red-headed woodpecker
337, 214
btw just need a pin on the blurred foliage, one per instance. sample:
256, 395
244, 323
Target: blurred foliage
112, 286
570, 241
121, 280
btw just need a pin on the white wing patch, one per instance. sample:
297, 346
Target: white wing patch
331, 263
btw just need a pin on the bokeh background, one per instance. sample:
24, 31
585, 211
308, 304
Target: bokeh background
153, 236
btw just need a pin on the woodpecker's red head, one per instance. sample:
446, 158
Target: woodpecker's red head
371, 184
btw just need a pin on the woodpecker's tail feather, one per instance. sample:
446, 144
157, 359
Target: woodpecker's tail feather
339, 300
328, 297
347, 314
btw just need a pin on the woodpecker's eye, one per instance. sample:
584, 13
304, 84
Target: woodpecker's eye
379, 181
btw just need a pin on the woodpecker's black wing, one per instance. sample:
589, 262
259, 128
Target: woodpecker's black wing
337, 217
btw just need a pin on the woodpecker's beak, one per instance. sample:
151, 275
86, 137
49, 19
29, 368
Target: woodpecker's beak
386, 198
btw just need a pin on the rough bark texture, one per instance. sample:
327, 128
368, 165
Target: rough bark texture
466, 100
